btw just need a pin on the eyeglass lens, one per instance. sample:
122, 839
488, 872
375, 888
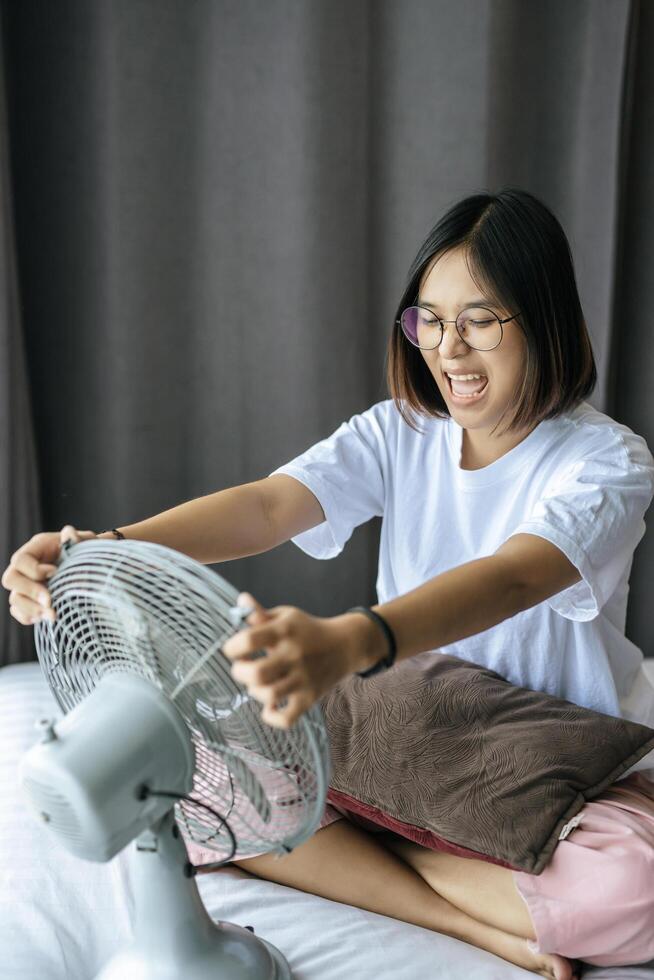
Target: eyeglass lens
479, 327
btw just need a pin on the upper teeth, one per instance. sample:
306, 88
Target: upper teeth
464, 377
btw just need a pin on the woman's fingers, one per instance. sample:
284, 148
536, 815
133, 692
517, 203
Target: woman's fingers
21, 615
298, 666
44, 546
33, 562
250, 640
25, 565
28, 598
260, 614
28, 612
69, 533
270, 695
264, 670
285, 716
29, 569
32, 594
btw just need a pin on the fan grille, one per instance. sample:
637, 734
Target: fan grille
144, 608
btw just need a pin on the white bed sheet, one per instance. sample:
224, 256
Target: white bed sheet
61, 918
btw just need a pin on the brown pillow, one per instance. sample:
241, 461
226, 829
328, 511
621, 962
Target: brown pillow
451, 755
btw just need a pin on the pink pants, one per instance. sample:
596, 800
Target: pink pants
595, 899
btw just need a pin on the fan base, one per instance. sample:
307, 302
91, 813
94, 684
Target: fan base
174, 935
235, 954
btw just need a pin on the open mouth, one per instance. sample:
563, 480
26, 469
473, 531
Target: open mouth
466, 398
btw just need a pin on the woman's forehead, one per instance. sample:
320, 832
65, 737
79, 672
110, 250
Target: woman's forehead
447, 291
448, 279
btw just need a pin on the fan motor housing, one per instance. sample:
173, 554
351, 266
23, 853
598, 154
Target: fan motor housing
85, 782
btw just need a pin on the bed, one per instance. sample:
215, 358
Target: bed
61, 918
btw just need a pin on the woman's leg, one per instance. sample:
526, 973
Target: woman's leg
595, 899
346, 864
484, 890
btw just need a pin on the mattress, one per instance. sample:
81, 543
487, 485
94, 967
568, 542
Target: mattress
62, 918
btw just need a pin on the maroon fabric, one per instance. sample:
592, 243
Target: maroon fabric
453, 756
425, 837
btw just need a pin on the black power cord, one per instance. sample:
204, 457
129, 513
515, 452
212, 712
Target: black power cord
190, 870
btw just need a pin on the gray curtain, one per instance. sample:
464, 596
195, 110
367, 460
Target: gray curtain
19, 484
215, 205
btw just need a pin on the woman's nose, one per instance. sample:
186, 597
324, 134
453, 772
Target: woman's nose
451, 341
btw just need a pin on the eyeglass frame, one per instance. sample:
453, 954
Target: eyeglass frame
418, 307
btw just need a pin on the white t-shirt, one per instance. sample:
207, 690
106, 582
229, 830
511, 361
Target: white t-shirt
582, 481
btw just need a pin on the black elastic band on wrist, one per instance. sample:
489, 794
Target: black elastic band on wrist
389, 659
117, 534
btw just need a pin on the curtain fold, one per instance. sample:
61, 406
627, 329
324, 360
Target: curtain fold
555, 114
632, 353
215, 208
19, 483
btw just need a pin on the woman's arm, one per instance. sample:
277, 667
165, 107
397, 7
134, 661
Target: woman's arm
465, 600
307, 655
233, 523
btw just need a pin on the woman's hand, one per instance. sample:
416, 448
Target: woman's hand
307, 656
30, 567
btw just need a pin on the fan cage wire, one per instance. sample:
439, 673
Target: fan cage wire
166, 607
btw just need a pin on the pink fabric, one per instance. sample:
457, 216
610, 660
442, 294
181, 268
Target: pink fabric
595, 899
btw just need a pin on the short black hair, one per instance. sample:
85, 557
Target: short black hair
516, 250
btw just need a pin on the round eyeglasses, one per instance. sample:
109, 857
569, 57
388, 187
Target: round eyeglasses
477, 327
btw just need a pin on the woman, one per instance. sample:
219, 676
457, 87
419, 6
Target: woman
509, 525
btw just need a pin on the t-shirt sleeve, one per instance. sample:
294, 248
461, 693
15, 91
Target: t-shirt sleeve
346, 472
594, 512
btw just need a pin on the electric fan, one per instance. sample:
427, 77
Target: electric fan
159, 744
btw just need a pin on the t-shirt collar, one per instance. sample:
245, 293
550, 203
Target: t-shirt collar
501, 468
